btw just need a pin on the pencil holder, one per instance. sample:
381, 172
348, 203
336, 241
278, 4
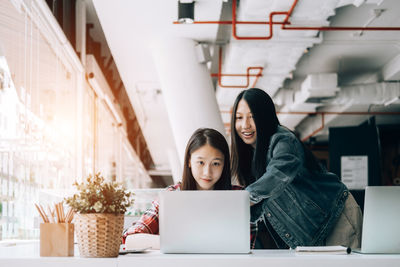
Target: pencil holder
56, 239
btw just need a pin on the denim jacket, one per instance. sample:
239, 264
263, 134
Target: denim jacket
301, 206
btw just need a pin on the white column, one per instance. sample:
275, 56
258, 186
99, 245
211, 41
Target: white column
187, 89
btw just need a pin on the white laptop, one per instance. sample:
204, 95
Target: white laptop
204, 222
381, 222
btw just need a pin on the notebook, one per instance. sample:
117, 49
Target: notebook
381, 222
204, 222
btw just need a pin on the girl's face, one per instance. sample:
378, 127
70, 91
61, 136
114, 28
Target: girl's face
244, 124
206, 164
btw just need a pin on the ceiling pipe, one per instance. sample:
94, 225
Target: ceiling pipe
284, 24
270, 22
298, 28
227, 22
247, 75
330, 28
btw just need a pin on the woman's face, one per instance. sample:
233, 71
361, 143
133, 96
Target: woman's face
206, 164
244, 124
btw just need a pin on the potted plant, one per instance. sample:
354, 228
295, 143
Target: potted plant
99, 208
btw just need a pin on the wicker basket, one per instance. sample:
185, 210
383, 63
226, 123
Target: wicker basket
99, 234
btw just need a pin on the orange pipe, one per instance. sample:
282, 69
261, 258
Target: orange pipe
228, 22
234, 75
284, 24
329, 28
219, 74
271, 24
342, 28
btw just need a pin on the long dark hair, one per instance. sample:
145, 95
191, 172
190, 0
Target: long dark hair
201, 137
248, 165
266, 121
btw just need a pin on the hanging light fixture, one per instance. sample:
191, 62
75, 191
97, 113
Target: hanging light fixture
185, 11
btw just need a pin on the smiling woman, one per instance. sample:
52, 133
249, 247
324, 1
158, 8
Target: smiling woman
295, 200
244, 125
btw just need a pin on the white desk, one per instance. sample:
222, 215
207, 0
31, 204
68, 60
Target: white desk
28, 255
258, 258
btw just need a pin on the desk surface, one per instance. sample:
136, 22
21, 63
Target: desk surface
28, 255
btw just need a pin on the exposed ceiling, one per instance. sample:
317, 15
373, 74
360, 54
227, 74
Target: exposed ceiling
304, 70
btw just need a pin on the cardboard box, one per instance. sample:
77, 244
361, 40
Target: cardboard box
56, 239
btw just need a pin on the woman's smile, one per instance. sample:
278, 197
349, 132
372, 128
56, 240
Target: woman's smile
248, 134
244, 124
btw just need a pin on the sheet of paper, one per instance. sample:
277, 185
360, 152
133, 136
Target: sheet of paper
354, 171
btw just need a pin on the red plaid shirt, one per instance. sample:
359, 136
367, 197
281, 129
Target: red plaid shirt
148, 222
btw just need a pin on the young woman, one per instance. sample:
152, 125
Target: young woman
206, 167
294, 200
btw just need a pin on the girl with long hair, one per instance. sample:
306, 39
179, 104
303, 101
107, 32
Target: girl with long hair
206, 167
295, 201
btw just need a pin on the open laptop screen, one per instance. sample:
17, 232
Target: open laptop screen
204, 222
381, 231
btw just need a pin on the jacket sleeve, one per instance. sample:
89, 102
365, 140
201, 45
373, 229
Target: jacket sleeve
286, 158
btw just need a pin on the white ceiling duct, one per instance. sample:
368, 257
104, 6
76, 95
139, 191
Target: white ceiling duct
364, 99
317, 87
